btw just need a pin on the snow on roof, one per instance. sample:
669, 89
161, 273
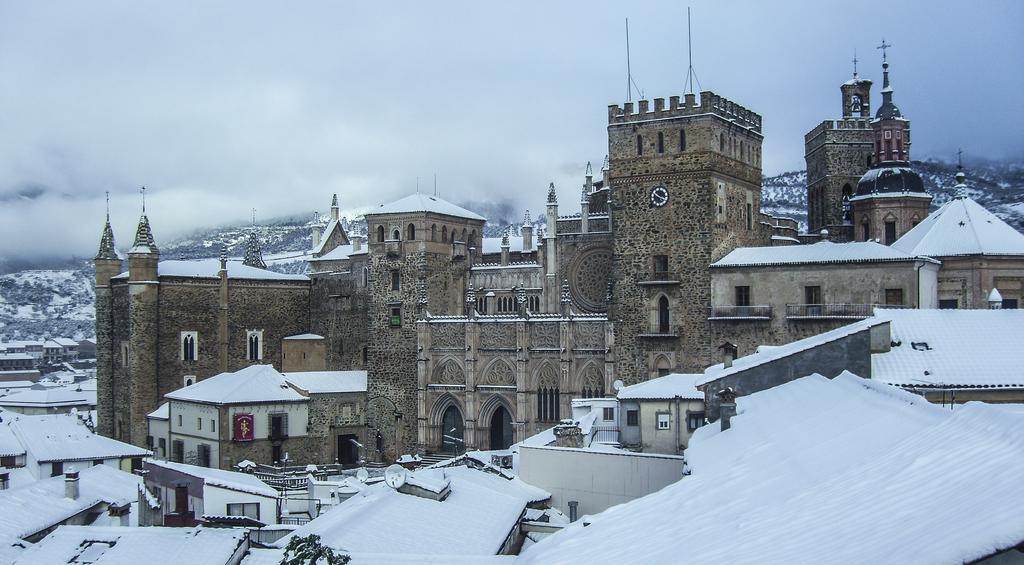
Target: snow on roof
424, 203
63, 437
474, 519
330, 227
53, 397
952, 348
255, 383
669, 386
763, 356
65, 342
4, 385
338, 253
162, 412
9, 444
305, 336
210, 268
820, 252
40, 505
961, 227
824, 471
515, 243
111, 545
318, 382
231, 480
274, 557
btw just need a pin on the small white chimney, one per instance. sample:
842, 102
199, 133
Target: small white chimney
357, 244
71, 484
316, 236
995, 299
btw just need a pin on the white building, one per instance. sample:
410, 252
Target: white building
188, 495
658, 416
117, 546
50, 400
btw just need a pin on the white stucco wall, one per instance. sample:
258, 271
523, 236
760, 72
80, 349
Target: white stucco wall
216, 500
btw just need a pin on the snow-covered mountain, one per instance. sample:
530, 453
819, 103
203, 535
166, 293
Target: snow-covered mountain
55, 297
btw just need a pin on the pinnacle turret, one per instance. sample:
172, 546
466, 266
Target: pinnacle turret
107, 250
552, 198
144, 242
254, 252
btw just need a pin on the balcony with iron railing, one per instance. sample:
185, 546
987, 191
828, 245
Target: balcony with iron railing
655, 278
834, 311
459, 250
393, 247
740, 313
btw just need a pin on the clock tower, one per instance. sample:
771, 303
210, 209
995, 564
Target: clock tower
686, 189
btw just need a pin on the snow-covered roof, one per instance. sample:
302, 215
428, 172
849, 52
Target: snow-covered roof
65, 342
952, 348
764, 355
816, 253
424, 203
824, 471
328, 229
63, 437
210, 269
255, 383
231, 480
474, 519
305, 336
162, 412
53, 397
318, 382
111, 545
515, 243
961, 227
36, 506
9, 444
337, 254
670, 386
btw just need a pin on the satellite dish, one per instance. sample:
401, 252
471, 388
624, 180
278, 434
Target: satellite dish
362, 474
617, 385
394, 476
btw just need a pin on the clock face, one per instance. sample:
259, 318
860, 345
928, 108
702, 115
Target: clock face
659, 196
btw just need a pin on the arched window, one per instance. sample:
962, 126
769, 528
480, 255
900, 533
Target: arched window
433, 232
188, 346
410, 232
464, 235
472, 239
253, 350
396, 235
548, 409
743, 153
682, 140
847, 190
869, 160
661, 142
366, 276
639, 145
721, 143
380, 234
444, 234
663, 315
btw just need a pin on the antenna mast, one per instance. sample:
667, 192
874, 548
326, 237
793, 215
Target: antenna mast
691, 75
630, 84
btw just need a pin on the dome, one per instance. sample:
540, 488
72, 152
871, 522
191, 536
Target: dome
890, 177
888, 111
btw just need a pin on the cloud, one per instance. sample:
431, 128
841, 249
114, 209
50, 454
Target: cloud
222, 107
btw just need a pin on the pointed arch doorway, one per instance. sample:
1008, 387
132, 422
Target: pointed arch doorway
501, 429
453, 431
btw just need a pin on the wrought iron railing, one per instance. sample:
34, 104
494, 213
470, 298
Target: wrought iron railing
834, 311
756, 312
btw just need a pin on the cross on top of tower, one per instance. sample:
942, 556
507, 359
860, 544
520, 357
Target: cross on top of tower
883, 47
143, 191
959, 159
855, 63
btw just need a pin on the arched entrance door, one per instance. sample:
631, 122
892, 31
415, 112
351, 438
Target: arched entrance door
501, 429
452, 431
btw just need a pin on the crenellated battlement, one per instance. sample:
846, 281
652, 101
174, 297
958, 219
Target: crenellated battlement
843, 124
709, 103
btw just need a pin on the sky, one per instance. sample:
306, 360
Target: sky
220, 107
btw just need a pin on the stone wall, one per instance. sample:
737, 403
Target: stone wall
339, 311
837, 156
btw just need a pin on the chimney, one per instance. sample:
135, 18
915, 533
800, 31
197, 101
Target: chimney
334, 208
504, 248
729, 351
995, 299
573, 510
357, 244
727, 407
568, 434
120, 512
316, 236
527, 232
71, 484
5, 479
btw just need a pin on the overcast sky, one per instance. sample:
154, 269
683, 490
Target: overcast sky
219, 107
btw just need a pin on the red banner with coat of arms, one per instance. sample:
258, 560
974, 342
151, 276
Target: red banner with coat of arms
244, 426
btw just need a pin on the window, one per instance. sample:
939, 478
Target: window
1009, 304
188, 346
161, 444
433, 232
396, 280
380, 234
661, 142
179, 420
682, 140
949, 304
663, 315
124, 354
743, 296
178, 451
278, 426
396, 317
275, 453
664, 422
548, 409
721, 143
894, 296
199, 424
750, 216
639, 145
812, 295
694, 420
396, 235
890, 232
608, 414
660, 264
8, 461
213, 425
56, 468
866, 232
254, 345
188, 380
632, 417
249, 509
410, 232
203, 455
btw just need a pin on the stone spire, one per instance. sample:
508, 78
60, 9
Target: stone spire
334, 208
107, 250
526, 218
552, 198
144, 237
254, 252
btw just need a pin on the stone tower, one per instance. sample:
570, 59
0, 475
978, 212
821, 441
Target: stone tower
108, 265
890, 197
837, 154
420, 251
685, 190
140, 393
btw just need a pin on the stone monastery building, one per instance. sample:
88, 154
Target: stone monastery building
472, 342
